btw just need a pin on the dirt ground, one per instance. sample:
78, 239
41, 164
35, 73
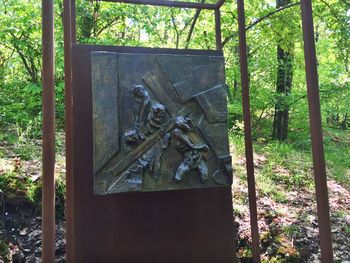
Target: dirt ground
288, 230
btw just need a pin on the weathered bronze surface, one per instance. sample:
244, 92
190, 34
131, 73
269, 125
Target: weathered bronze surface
159, 122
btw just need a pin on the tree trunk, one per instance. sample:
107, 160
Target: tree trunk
344, 123
283, 88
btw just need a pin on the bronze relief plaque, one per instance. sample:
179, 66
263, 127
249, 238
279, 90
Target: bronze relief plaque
159, 122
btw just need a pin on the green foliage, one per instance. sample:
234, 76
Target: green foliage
20, 188
292, 230
4, 251
13, 185
347, 229
137, 25
20, 35
337, 152
34, 192
290, 165
20, 105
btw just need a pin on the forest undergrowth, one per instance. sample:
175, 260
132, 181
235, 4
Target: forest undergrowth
286, 199
285, 188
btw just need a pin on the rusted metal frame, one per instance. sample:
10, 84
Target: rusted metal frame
48, 136
148, 50
69, 37
218, 30
220, 3
247, 131
73, 22
316, 132
167, 3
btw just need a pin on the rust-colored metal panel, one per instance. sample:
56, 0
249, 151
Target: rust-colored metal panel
169, 226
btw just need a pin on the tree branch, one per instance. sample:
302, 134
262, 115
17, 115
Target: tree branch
345, 2
227, 39
175, 28
159, 36
332, 11
195, 18
109, 23
28, 63
4, 59
271, 14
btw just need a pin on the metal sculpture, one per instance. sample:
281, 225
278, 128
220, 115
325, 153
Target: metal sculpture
160, 123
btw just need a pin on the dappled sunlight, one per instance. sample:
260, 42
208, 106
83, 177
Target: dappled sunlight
287, 216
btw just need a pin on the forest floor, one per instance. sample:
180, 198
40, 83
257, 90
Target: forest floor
285, 199
288, 224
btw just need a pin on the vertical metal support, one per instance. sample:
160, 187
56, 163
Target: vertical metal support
247, 131
73, 21
69, 35
316, 132
218, 30
48, 140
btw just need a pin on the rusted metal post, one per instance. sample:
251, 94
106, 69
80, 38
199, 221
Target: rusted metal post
168, 3
247, 131
220, 3
73, 22
218, 29
68, 39
316, 132
48, 147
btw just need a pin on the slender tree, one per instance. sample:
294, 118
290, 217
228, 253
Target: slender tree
283, 85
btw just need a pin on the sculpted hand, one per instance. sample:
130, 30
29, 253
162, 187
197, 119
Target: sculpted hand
204, 148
